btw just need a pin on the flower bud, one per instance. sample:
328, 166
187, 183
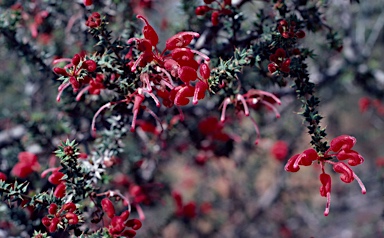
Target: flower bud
108, 207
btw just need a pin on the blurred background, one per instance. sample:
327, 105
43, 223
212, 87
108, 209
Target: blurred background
243, 191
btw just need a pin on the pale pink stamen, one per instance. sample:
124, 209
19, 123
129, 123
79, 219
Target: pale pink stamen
272, 107
225, 105
61, 89
204, 56
363, 189
134, 66
56, 61
246, 109
82, 91
153, 96
146, 82
133, 125
158, 69
181, 116
328, 205
257, 131
45, 172
155, 116
107, 105
271, 95
140, 212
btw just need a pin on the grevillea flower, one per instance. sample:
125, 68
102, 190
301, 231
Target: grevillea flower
26, 165
120, 225
56, 216
342, 146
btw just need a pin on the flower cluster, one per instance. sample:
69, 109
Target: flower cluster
94, 20
341, 147
221, 10
288, 30
77, 73
120, 225
176, 62
279, 61
60, 218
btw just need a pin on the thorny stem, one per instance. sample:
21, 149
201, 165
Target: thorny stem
25, 197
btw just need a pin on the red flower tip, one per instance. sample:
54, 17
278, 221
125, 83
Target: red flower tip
343, 142
52, 209
215, 18
60, 71
187, 74
353, 157
346, 172
180, 40
148, 31
201, 10
134, 224
88, 2
60, 190
69, 207
205, 71
108, 207
72, 218
289, 167
325, 190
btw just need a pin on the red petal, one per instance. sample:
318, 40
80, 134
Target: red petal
346, 172
343, 142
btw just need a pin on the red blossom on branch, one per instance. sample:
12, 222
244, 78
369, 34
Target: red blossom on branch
342, 146
279, 62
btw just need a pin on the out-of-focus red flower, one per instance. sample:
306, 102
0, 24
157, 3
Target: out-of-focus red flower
279, 150
364, 104
380, 162
26, 165
187, 211
3, 176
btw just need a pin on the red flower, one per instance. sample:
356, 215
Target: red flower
188, 210
3, 176
108, 207
88, 2
60, 190
364, 104
342, 146
26, 165
289, 30
94, 20
280, 150
279, 61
